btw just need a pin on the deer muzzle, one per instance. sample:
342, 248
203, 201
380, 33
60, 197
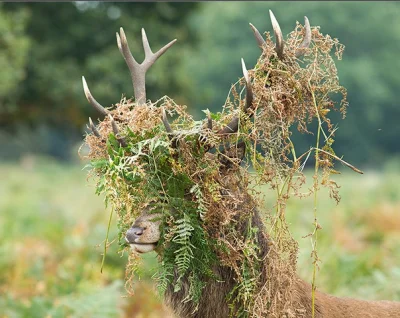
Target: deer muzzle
136, 239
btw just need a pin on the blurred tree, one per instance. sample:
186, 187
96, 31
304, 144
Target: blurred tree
69, 40
14, 46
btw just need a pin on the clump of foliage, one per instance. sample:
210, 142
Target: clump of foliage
204, 197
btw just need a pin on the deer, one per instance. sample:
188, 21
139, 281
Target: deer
145, 233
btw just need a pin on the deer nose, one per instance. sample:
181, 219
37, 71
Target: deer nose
133, 233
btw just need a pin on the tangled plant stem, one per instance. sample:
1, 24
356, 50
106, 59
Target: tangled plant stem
314, 237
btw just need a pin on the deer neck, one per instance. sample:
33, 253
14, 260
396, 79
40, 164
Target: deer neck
213, 302
328, 306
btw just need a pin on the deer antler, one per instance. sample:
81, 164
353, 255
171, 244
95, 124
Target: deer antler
92, 100
259, 38
166, 123
138, 71
278, 35
93, 128
277, 32
279, 38
138, 75
115, 129
209, 121
233, 125
170, 132
307, 39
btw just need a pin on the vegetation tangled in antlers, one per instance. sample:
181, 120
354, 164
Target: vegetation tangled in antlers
189, 170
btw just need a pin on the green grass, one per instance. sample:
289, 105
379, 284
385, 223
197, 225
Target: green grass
359, 244
52, 228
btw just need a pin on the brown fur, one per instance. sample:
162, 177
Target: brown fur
328, 306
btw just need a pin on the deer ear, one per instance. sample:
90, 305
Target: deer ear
232, 154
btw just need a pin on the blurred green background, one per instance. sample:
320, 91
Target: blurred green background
51, 223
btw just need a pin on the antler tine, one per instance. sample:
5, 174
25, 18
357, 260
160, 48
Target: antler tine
307, 39
151, 57
165, 122
138, 71
115, 129
278, 35
231, 128
93, 128
233, 125
259, 38
113, 125
174, 143
209, 121
249, 90
91, 99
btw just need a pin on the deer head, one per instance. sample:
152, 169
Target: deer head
144, 234
191, 196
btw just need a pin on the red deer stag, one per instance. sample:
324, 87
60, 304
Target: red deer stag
147, 232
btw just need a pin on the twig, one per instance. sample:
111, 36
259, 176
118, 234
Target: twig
341, 160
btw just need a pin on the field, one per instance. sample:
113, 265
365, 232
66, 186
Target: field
53, 227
